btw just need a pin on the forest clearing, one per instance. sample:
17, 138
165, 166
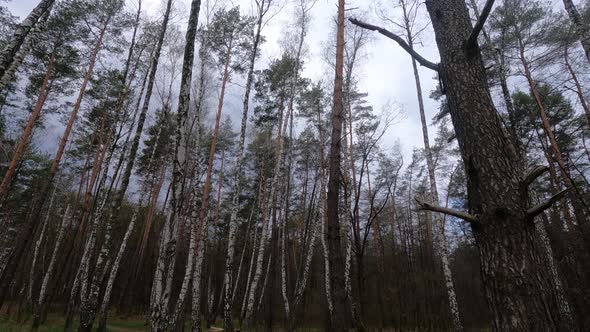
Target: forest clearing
294, 165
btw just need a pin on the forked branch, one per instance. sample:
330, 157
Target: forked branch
472, 40
533, 174
401, 42
422, 205
539, 208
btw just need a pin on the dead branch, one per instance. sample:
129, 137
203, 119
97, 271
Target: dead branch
472, 40
397, 39
539, 208
533, 174
422, 205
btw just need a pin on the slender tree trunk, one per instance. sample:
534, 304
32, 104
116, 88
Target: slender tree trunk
440, 244
302, 281
39, 309
130, 227
233, 221
576, 199
203, 222
89, 304
8, 54
253, 256
582, 30
25, 234
579, 90
40, 239
104, 307
251, 296
198, 276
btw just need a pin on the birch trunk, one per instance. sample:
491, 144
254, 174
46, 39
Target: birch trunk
8, 54
104, 307
203, 222
233, 221
114, 270
180, 148
582, 29
302, 282
197, 278
243, 254
66, 221
30, 43
253, 256
567, 323
159, 306
40, 239
259, 259
195, 239
89, 304
440, 244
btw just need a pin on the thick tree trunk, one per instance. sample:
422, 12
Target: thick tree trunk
517, 287
340, 320
159, 305
582, 29
8, 54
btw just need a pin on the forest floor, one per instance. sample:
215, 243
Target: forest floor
57, 324
130, 324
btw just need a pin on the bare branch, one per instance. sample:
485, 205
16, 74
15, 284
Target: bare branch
533, 174
422, 205
539, 208
397, 39
472, 40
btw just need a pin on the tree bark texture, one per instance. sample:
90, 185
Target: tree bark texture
517, 286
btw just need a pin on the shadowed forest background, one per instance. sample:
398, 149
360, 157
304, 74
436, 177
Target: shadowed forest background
163, 168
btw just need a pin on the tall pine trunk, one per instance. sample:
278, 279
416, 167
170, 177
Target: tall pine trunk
28, 130
26, 233
517, 287
340, 320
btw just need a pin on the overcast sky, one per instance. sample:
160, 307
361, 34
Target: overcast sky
385, 72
